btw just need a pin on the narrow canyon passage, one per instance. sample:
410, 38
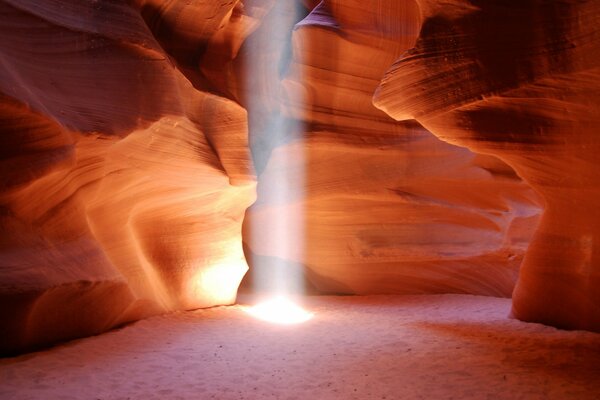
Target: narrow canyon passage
421, 174
355, 347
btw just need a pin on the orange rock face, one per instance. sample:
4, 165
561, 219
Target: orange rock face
521, 82
123, 184
131, 131
387, 207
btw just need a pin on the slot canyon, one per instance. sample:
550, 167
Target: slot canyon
289, 199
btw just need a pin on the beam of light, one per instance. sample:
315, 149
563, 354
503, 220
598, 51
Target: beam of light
279, 310
276, 114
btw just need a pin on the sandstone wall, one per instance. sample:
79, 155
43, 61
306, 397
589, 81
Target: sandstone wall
131, 132
520, 80
387, 207
125, 176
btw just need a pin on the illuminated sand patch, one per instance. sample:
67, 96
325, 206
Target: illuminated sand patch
280, 310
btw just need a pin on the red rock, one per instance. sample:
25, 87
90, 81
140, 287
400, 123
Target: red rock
127, 127
387, 207
123, 185
520, 82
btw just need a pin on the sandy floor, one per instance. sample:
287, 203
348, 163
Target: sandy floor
380, 347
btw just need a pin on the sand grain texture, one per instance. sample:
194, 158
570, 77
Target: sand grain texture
374, 347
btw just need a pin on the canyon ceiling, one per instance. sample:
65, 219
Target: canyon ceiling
430, 147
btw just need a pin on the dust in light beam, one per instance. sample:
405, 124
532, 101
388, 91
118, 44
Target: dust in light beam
280, 125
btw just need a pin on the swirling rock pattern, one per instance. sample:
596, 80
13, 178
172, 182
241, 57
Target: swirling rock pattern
125, 165
124, 180
520, 81
388, 208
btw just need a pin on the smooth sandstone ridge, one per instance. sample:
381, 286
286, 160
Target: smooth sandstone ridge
520, 80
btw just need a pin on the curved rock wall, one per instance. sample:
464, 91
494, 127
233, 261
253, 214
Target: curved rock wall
126, 172
124, 179
387, 208
520, 81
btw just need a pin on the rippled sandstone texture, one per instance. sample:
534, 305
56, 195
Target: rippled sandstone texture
125, 169
123, 185
520, 80
387, 207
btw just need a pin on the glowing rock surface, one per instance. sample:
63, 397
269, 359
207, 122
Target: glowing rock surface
123, 185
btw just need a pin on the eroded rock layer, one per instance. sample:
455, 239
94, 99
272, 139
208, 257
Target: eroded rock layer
386, 207
123, 184
125, 154
520, 80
